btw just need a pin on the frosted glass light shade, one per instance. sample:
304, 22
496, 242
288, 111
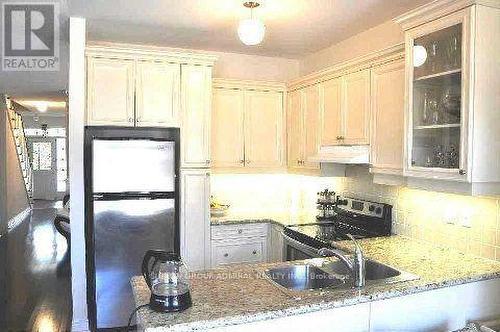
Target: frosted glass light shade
251, 31
419, 55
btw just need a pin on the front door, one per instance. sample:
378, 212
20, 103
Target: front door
43, 152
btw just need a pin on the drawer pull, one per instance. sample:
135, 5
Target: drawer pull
226, 254
254, 252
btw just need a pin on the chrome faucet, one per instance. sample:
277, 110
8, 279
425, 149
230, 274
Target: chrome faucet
355, 264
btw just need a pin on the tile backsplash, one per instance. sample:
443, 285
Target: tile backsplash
468, 224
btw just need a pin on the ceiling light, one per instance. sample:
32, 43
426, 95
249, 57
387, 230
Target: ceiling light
41, 106
251, 30
419, 55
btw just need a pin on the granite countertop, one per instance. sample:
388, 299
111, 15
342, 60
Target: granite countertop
239, 293
279, 218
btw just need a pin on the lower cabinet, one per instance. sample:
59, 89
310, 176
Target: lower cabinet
276, 243
195, 218
243, 243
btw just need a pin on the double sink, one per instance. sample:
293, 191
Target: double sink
332, 274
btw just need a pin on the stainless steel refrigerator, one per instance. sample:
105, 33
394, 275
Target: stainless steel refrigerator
132, 204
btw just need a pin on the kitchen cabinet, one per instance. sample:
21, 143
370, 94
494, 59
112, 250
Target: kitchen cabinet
264, 129
196, 99
110, 91
195, 218
331, 127
295, 130
157, 94
356, 111
276, 244
387, 118
452, 81
248, 126
243, 243
228, 136
303, 121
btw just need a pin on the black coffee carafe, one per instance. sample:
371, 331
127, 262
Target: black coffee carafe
167, 278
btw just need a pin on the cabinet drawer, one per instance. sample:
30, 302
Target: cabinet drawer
250, 251
241, 230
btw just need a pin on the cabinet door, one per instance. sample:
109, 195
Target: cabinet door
331, 112
195, 218
311, 125
388, 118
157, 94
295, 137
439, 98
110, 92
196, 100
242, 250
227, 128
264, 133
357, 108
276, 240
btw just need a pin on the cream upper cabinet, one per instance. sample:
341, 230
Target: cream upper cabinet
295, 132
357, 108
311, 125
452, 77
228, 128
387, 89
196, 99
248, 126
264, 130
331, 126
157, 94
110, 91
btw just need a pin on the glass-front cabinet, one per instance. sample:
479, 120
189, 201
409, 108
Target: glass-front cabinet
437, 114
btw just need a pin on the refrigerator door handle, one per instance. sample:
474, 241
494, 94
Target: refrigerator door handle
97, 197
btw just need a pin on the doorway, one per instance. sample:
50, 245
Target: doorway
43, 157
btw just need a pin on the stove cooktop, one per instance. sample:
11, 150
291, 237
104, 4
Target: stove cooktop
361, 219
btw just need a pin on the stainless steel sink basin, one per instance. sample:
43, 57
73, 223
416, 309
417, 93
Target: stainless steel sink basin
303, 277
332, 274
374, 270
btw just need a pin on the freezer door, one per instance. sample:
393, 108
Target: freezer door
123, 231
133, 166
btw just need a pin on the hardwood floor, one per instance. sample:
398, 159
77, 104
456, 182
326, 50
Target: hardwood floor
35, 277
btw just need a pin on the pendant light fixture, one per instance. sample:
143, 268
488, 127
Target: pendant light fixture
251, 30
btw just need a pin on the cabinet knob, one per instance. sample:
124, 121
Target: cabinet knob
207, 161
226, 254
247, 161
462, 172
130, 119
254, 252
240, 231
242, 161
341, 137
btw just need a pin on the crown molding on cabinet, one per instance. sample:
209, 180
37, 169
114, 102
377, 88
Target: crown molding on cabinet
143, 52
369, 60
249, 84
438, 9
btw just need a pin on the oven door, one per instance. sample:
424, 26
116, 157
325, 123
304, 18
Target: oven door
295, 250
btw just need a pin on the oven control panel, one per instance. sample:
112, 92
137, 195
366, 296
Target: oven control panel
358, 206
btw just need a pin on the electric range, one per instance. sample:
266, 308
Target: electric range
360, 218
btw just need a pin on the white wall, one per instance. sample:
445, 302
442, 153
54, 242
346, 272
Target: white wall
254, 67
382, 36
3, 187
77, 212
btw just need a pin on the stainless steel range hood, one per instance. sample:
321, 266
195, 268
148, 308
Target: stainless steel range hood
343, 154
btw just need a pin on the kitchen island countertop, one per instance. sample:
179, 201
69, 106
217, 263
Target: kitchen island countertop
239, 294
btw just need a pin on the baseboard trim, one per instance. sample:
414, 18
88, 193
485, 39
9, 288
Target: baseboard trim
17, 219
80, 325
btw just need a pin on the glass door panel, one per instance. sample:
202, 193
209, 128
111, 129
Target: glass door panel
437, 83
